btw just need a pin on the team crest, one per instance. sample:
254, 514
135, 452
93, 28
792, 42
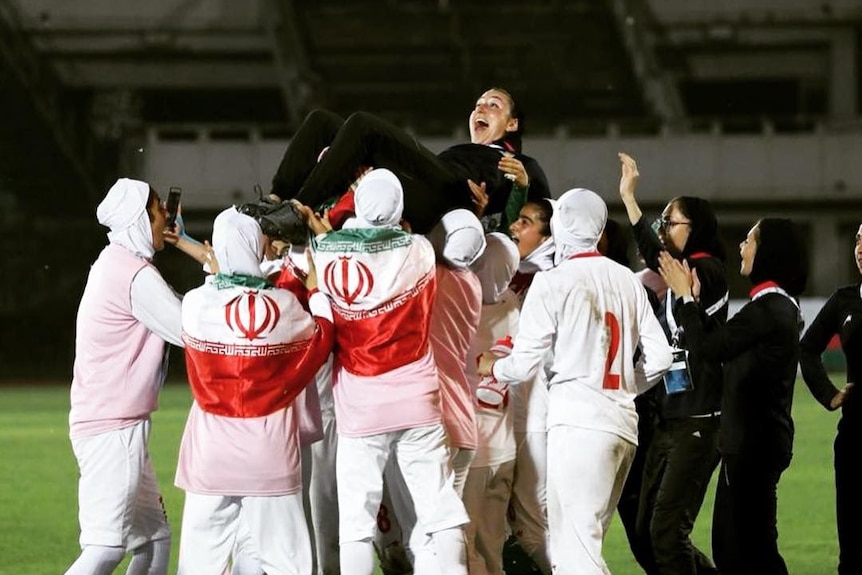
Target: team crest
251, 315
348, 279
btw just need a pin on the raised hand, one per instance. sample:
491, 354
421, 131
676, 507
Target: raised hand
629, 176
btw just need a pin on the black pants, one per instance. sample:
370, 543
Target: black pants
627, 508
744, 521
681, 459
431, 187
848, 498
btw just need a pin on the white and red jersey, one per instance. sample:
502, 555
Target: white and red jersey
249, 353
382, 285
593, 314
381, 282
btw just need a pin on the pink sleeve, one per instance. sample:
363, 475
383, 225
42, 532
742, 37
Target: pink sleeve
307, 409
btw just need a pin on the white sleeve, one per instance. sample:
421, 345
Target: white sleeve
319, 305
270, 267
532, 344
157, 306
656, 353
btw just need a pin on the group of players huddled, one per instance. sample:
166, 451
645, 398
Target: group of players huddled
405, 359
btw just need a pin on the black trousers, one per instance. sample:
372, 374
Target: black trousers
848, 498
431, 187
627, 508
744, 521
679, 464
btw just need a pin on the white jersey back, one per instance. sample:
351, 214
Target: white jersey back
593, 314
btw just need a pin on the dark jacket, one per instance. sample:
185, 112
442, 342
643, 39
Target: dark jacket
706, 374
841, 315
478, 162
760, 350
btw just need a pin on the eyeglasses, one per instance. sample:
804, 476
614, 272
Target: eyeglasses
665, 223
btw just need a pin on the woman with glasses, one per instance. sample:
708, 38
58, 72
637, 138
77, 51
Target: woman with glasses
683, 452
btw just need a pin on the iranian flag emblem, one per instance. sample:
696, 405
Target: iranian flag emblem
381, 282
348, 279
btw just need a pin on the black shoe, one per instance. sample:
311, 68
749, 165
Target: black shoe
258, 208
516, 561
285, 223
280, 221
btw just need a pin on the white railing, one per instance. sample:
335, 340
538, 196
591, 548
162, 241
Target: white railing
216, 167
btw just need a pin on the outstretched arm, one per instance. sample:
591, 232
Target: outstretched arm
648, 242
200, 252
628, 184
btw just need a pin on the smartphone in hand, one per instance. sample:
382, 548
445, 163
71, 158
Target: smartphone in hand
173, 205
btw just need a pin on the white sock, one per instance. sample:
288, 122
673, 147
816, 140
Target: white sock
357, 558
97, 560
151, 558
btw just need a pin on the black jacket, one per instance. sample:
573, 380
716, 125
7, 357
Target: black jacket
706, 374
760, 350
841, 315
478, 162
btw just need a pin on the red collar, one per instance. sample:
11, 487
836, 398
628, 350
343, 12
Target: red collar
760, 287
585, 255
699, 255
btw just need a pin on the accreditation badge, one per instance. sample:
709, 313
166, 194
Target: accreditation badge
678, 378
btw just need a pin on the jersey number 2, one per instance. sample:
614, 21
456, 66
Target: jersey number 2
612, 380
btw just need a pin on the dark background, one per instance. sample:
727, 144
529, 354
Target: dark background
80, 84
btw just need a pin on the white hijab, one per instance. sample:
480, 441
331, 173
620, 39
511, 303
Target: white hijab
578, 222
496, 267
124, 211
541, 258
237, 243
458, 238
379, 200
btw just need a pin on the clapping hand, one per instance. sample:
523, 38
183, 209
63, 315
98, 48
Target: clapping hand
678, 276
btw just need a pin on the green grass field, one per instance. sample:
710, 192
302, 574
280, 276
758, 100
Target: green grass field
38, 481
